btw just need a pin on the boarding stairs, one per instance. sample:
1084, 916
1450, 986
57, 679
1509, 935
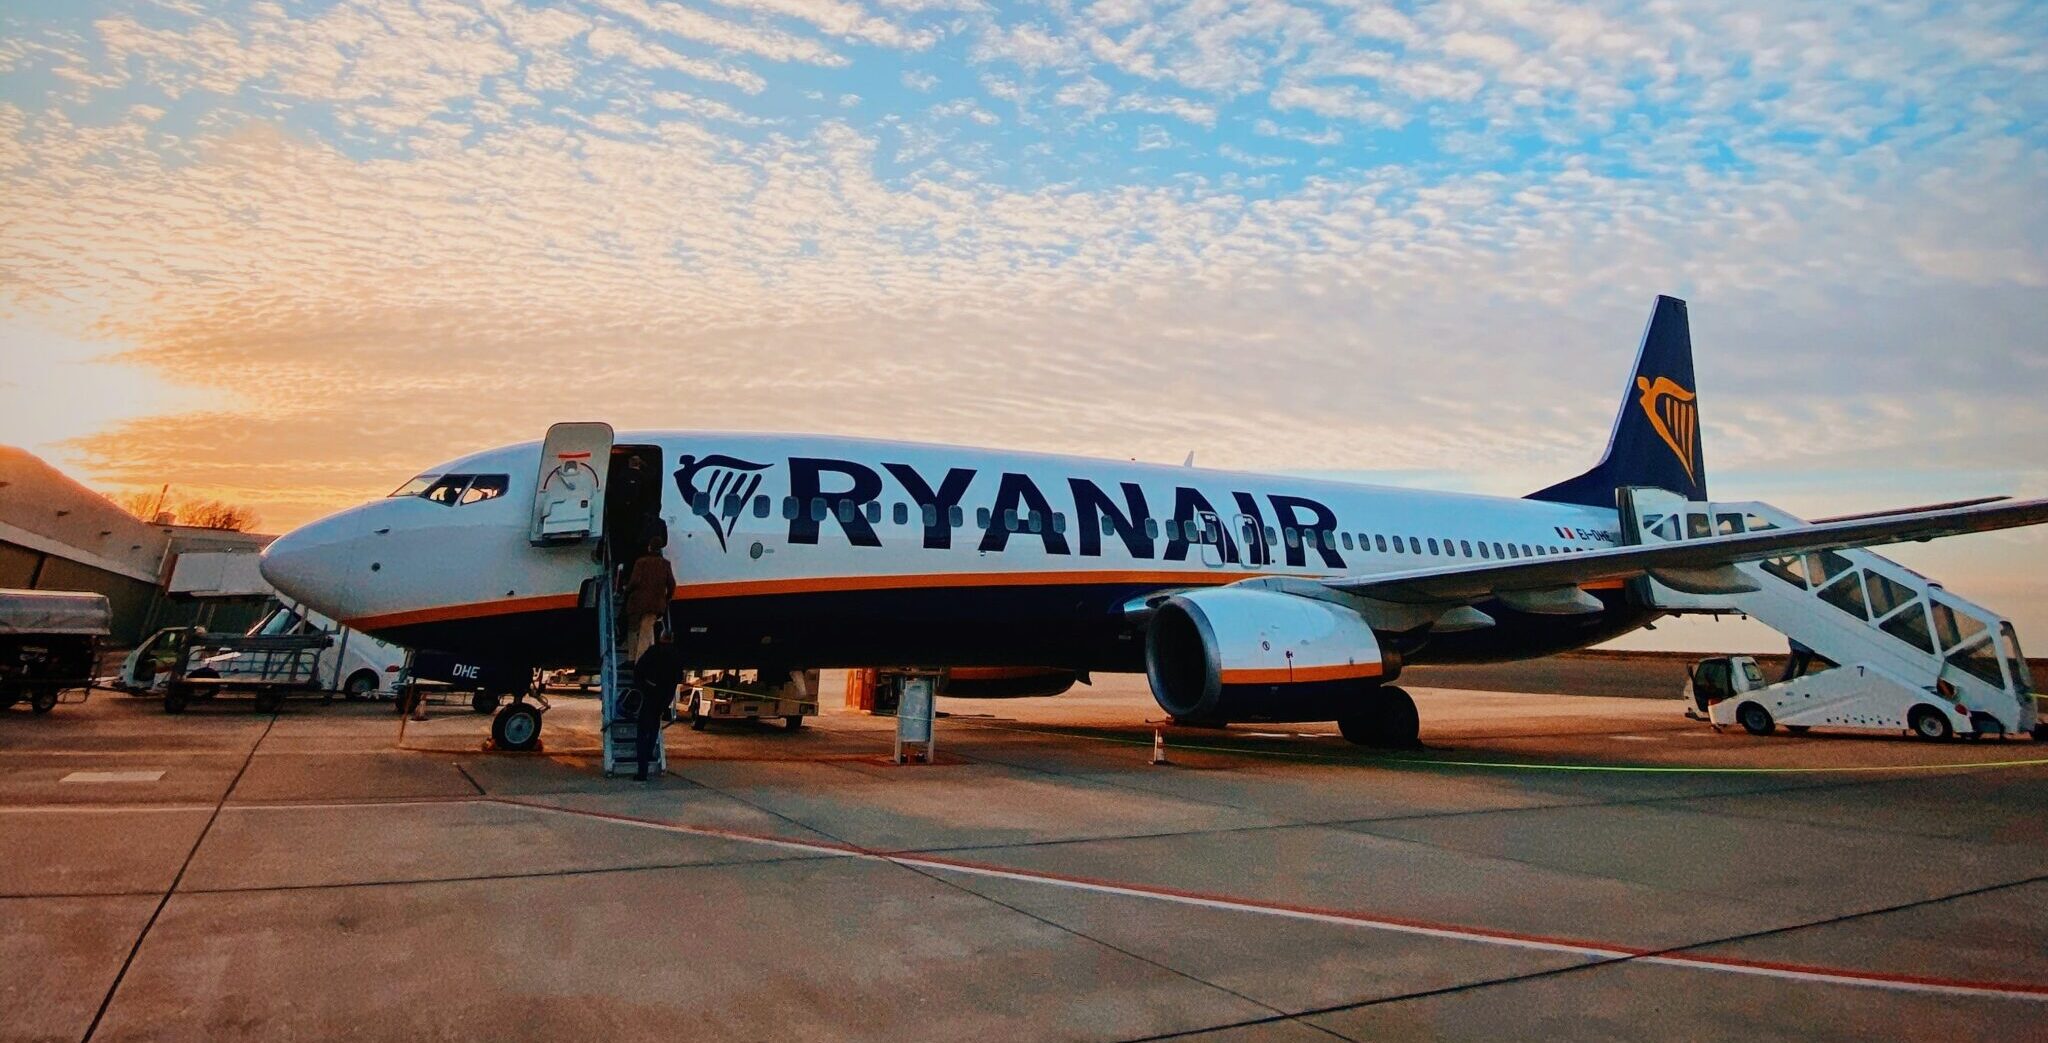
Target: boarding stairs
615, 683
1897, 629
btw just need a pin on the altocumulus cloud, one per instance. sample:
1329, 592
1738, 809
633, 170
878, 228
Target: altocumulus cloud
1344, 237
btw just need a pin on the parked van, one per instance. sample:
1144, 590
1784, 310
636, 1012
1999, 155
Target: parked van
353, 665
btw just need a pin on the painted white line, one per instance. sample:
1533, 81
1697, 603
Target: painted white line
113, 776
1451, 932
97, 809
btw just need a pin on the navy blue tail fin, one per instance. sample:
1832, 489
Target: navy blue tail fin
1656, 439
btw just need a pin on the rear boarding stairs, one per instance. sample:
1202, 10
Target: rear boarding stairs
1907, 654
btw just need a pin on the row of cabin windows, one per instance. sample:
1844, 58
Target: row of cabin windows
1189, 529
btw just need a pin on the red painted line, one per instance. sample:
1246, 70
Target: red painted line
1403, 925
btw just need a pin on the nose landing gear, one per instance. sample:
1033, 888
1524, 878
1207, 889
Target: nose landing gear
516, 728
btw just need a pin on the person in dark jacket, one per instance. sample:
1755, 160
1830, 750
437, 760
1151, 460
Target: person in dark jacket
656, 674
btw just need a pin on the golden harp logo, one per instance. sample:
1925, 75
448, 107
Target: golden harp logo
1675, 415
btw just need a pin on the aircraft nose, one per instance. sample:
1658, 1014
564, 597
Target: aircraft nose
309, 565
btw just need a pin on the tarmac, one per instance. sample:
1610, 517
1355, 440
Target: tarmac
1547, 865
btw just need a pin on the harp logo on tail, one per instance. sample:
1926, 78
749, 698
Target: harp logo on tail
1675, 415
718, 488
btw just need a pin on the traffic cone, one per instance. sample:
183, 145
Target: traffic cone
1158, 746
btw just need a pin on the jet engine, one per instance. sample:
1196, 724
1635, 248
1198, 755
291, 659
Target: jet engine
1238, 654
1006, 682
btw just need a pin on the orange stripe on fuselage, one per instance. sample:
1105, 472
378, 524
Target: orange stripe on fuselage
1303, 674
840, 584
832, 584
473, 610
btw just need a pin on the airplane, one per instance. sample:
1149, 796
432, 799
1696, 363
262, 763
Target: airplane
1242, 596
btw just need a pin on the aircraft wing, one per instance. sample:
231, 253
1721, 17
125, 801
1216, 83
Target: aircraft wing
1474, 582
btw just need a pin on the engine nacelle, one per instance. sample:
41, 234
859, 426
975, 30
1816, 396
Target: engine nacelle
1006, 682
1239, 654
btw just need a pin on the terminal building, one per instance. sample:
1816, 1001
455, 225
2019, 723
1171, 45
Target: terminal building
56, 534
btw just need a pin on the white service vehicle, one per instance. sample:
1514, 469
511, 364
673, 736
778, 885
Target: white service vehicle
355, 665
1730, 690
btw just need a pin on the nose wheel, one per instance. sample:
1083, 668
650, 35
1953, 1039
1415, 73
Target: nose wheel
516, 728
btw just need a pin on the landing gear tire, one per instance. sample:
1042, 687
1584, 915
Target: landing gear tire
43, 699
360, 685
1755, 719
1930, 724
1384, 718
795, 723
484, 702
517, 727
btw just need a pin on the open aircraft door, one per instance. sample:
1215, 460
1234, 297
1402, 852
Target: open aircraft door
568, 497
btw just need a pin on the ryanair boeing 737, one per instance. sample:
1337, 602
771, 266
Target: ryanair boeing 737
1242, 596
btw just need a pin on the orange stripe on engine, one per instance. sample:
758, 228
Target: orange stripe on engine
1303, 674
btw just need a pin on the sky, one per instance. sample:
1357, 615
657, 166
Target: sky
291, 254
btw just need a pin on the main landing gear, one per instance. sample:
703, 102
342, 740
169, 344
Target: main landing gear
1382, 716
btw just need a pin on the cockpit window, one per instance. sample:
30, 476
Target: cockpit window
416, 486
452, 490
448, 491
485, 487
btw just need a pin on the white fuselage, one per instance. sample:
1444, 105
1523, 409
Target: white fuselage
822, 551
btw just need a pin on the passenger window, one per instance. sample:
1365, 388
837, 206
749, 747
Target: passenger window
1108, 525
1415, 544
1272, 537
1380, 542
818, 508
1527, 551
1010, 520
1847, 595
845, 511
789, 508
1292, 536
701, 503
2016, 661
1400, 547
1512, 552
929, 515
1787, 569
981, 518
901, 513
761, 506
1467, 547
732, 505
1432, 545
1059, 522
1497, 551
1035, 521
874, 512
1910, 626
1347, 541
957, 516
1151, 528
1482, 550
1886, 595
486, 487
1979, 660
1952, 627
